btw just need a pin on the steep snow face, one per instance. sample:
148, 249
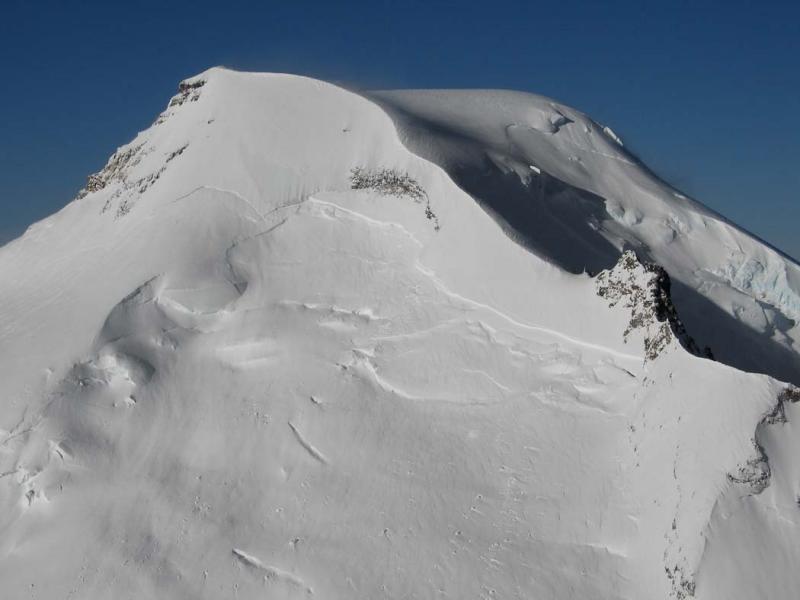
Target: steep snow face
567, 189
269, 351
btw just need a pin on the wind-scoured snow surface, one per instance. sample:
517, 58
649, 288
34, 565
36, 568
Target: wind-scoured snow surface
298, 342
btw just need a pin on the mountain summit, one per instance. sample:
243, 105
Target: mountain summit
296, 341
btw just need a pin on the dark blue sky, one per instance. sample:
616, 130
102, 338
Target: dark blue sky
708, 94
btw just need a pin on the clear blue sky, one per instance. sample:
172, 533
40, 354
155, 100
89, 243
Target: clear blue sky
708, 94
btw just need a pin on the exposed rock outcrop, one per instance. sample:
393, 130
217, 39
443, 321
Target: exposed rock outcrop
644, 289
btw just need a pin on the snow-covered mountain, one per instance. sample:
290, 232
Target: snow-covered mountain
295, 341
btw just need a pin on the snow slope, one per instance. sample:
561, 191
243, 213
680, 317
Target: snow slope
225, 372
567, 189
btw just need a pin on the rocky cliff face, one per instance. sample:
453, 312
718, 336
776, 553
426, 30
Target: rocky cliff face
644, 289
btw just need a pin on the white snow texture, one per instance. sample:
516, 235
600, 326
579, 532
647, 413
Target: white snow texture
295, 341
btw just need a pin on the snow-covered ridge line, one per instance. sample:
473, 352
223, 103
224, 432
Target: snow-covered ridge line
587, 207
606, 206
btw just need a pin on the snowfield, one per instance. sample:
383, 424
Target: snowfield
295, 341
